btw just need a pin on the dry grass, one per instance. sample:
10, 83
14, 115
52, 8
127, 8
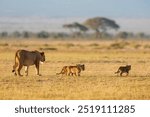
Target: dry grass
98, 81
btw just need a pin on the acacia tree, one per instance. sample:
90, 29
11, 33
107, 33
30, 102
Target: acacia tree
80, 27
101, 25
69, 26
76, 28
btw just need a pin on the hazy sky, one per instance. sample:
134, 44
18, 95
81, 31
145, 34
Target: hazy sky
131, 15
76, 8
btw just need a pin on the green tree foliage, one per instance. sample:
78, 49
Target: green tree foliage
26, 34
101, 24
76, 28
80, 27
122, 35
69, 26
43, 34
16, 34
141, 35
4, 34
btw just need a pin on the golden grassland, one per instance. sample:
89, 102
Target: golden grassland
98, 81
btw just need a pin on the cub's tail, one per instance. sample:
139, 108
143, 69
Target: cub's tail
117, 72
62, 71
58, 73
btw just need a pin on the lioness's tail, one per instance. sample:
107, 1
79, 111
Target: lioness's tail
16, 64
14, 67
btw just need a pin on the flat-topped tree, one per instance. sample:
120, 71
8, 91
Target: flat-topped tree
77, 27
101, 24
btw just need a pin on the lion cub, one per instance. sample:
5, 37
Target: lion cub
124, 69
72, 70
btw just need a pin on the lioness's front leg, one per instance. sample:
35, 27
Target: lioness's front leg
37, 69
26, 70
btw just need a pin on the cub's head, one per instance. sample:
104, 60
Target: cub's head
42, 59
81, 66
128, 67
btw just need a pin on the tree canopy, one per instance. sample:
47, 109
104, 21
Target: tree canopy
77, 26
101, 24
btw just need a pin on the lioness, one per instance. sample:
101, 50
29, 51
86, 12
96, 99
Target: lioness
72, 70
27, 58
124, 69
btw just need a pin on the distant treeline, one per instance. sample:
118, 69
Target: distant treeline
97, 27
55, 35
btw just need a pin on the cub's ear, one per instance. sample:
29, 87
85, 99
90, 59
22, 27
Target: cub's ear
42, 53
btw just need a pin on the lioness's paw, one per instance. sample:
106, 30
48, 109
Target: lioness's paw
39, 75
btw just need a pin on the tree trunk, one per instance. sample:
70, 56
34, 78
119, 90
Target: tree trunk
98, 34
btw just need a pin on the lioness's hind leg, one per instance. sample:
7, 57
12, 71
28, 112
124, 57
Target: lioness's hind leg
14, 69
19, 69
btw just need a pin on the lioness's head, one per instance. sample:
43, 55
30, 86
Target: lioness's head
42, 56
81, 66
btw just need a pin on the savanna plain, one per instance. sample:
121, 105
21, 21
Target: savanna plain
102, 58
